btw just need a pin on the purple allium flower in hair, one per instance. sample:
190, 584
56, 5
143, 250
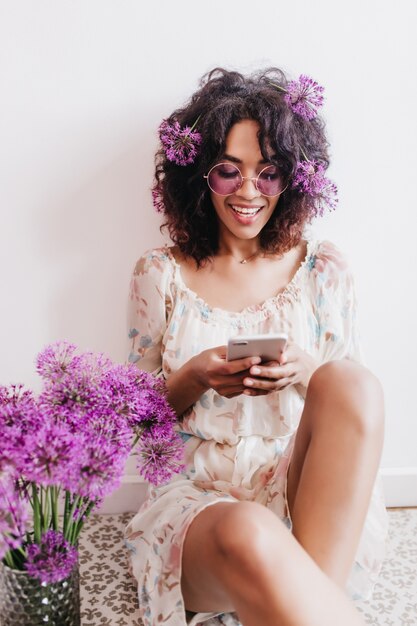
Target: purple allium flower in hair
309, 179
52, 560
160, 454
304, 96
328, 198
13, 515
157, 200
180, 144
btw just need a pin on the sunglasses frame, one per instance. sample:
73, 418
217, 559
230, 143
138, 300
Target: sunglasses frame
242, 180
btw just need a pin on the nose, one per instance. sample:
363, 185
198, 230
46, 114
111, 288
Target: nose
248, 189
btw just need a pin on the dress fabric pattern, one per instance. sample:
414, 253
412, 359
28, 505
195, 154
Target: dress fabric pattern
238, 448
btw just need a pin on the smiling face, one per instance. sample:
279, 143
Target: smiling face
243, 213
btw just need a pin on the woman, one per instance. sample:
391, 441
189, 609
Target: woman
276, 512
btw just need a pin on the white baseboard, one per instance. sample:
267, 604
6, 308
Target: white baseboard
400, 488
127, 498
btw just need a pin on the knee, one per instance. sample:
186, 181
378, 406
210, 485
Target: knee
349, 389
244, 536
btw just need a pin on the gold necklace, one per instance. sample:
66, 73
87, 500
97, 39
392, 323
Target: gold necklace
249, 258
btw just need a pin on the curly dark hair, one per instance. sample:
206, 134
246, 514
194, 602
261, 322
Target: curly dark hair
225, 98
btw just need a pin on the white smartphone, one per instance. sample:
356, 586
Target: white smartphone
268, 347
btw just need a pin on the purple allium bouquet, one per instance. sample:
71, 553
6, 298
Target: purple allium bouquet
67, 448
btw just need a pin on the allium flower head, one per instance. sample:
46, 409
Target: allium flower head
14, 394
73, 393
150, 408
304, 96
52, 560
13, 515
100, 467
75, 437
160, 455
309, 179
49, 456
180, 144
157, 200
18, 416
17, 406
55, 360
138, 396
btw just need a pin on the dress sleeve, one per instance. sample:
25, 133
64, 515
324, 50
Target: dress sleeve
149, 303
334, 306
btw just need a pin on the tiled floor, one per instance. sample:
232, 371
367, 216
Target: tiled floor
109, 596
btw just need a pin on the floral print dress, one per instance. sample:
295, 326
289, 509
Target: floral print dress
238, 448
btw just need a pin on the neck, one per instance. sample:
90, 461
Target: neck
240, 250
241, 256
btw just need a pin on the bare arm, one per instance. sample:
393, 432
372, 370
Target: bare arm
184, 388
207, 370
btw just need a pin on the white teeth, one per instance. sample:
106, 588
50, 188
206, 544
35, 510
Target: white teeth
245, 211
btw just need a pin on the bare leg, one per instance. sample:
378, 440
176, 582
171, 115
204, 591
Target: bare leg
334, 463
240, 556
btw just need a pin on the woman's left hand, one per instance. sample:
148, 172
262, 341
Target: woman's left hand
294, 367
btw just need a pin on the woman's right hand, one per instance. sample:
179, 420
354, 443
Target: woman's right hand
208, 370
213, 371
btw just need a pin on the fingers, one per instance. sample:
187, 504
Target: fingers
239, 365
272, 370
270, 377
256, 392
232, 392
268, 384
291, 353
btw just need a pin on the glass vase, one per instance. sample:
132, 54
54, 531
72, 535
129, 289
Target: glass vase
24, 601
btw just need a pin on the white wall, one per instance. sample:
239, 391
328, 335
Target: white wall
84, 85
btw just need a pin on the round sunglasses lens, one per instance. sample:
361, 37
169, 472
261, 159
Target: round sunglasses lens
224, 179
270, 181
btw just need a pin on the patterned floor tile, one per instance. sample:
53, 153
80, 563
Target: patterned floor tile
108, 594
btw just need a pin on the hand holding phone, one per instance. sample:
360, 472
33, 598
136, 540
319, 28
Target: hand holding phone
267, 347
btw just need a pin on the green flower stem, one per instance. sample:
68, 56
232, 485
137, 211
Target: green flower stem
76, 522
8, 557
72, 510
66, 512
36, 515
41, 490
16, 558
80, 523
30, 500
136, 439
46, 511
54, 491
278, 86
194, 125
22, 552
304, 154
